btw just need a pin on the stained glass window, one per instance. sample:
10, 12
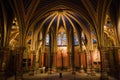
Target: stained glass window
62, 40
59, 39
83, 36
94, 40
47, 39
93, 34
76, 42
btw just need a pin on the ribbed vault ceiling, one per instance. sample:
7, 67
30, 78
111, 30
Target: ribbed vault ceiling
35, 14
65, 18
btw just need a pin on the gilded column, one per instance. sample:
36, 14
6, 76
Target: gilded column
72, 51
50, 52
54, 68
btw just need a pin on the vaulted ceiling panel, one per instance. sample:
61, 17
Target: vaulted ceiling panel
94, 4
26, 4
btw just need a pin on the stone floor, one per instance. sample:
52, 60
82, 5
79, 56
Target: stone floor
64, 76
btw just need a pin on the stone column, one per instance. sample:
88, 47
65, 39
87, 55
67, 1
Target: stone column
104, 63
93, 73
50, 62
27, 61
4, 52
79, 60
88, 61
19, 57
42, 60
50, 54
54, 67
37, 59
70, 62
34, 61
33, 58
81, 63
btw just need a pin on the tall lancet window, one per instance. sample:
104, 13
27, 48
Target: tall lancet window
47, 39
59, 39
76, 42
62, 40
93, 37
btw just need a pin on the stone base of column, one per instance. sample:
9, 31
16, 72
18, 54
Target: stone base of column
31, 73
2, 76
54, 69
73, 71
49, 71
36, 65
43, 70
88, 71
93, 73
104, 76
82, 70
69, 69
